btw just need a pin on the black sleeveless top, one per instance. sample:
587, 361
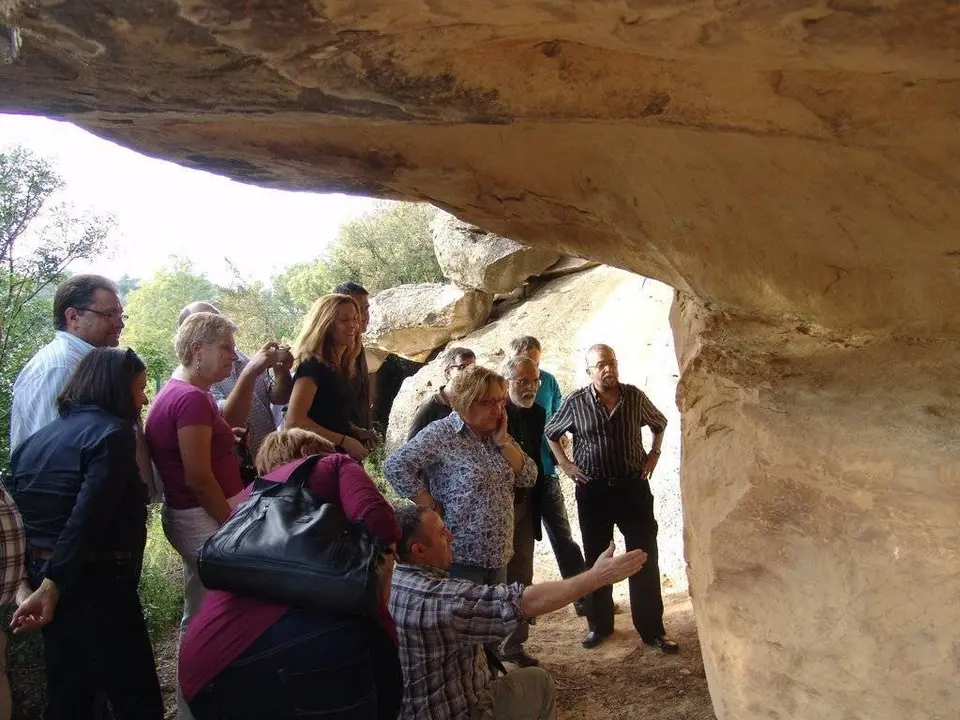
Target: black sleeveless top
333, 403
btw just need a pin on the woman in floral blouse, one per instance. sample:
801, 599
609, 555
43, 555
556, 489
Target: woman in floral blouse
466, 466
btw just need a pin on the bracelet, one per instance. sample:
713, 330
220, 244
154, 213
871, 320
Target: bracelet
342, 438
654, 452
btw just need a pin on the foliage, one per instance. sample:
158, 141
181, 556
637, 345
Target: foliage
390, 246
127, 284
161, 585
39, 238
260, 313
299, 285
154, 308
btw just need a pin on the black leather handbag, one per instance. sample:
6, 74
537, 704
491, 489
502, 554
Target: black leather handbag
285, 545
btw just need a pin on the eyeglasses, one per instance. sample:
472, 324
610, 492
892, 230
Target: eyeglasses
111, 315
524, 383
491, 403
461, 366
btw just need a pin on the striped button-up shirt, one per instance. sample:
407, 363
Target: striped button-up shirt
606, 445
40, 382
262, 421
468, 475
443, 624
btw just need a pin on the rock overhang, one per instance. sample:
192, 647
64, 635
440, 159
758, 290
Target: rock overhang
773, 159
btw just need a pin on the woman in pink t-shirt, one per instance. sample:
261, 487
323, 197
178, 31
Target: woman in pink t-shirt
192, 447
247, 659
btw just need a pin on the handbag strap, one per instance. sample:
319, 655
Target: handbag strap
303, 471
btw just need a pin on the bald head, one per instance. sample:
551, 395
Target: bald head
602, 367
596, 350
196, 307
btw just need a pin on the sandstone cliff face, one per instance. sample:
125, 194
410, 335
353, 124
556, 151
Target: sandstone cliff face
792, 167
569, 315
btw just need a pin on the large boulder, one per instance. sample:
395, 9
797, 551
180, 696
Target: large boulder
568, 315
472, 257
414, 320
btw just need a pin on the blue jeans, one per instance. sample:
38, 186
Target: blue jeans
309, 664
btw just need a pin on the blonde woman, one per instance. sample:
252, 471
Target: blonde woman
325, 353
193, 449
247, 659
468, 465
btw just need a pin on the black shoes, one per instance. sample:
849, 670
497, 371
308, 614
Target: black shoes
521, 659
593, 638
668, 646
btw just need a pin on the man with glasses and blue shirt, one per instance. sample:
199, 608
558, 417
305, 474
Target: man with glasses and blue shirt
87, 314
553, 510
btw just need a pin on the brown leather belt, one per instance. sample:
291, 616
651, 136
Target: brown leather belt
91, 557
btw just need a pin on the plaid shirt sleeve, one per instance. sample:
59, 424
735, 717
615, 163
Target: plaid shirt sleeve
13, 548
486, 613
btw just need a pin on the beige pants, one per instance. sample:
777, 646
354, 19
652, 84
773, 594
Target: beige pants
525, 694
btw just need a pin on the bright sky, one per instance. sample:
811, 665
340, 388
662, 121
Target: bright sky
163, 209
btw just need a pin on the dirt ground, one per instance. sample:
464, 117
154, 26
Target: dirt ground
623, 679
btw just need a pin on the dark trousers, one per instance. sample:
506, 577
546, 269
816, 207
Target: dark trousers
554, 515
97, 643
629, 506
309, 664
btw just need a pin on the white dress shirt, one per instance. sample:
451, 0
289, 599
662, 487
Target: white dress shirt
40, 382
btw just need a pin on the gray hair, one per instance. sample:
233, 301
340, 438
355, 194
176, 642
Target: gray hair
525, 343
511, 364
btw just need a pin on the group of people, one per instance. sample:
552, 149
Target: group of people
457, 594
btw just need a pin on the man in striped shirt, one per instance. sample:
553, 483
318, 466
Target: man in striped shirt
612, 471
87, 314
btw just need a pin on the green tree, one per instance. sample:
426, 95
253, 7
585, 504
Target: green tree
390, 246
39, 237
127, 284
153, 309
261, 313
299, 285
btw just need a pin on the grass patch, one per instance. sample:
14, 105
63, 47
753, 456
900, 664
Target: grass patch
374, 467
161, 582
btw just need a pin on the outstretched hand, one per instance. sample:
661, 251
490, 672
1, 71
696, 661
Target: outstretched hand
613, 569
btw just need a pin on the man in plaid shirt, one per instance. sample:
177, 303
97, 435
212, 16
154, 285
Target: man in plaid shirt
443, 624
13, 547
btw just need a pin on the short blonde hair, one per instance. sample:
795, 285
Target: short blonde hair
315, 338
201, 327
283, 446
471, 384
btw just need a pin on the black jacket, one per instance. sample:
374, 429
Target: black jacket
526, 425
78, 488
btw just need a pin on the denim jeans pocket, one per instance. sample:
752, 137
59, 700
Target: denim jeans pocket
344, 691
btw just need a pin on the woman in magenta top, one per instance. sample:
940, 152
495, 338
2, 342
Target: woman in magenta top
193, 448
244, 658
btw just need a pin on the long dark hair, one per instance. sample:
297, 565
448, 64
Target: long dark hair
104, 378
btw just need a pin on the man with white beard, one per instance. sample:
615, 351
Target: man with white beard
525, 424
